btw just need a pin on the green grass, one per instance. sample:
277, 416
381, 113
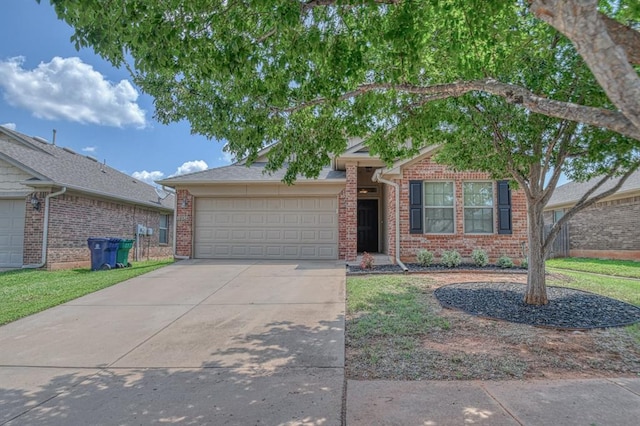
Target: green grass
389, 306
614, 287
27, 291
618, 268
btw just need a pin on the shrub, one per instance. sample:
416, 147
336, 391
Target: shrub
451, 258
524, 263
367, 261
425, 257
480, 257
505, 262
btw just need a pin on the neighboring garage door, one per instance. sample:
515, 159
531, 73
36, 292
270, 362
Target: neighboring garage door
11, 232
266, 228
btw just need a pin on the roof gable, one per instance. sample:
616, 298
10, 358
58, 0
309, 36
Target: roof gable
51, 165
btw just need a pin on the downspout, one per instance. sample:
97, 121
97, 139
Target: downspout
45, 230
175, 231
377, 178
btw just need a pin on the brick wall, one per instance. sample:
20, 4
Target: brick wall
348, 216
33, 223
609, 229
495, 244
73, 218
184, 223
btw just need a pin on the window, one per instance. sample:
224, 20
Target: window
438, 208
478, 207
163, 229
557, 215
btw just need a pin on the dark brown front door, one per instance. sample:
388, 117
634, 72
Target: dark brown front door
368, 226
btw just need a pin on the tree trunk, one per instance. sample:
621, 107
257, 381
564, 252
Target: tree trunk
536, 293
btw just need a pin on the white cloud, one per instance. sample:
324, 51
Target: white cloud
187, 167
148, 177
10, 126
191, 167
69, 89
89, 149
227, 158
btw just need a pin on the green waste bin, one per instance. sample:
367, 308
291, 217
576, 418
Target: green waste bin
122, 256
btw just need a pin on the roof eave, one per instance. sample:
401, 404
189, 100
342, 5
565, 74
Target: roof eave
49, 183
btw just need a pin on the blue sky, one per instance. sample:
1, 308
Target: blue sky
46, 84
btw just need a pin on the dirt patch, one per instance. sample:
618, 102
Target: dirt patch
476, 348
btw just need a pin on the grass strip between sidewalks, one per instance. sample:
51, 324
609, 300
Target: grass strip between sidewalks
27, 291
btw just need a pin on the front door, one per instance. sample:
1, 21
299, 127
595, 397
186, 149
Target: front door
368, 226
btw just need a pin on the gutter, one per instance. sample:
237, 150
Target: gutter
45, 231
377, 178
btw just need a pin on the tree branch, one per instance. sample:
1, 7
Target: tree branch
625, 37
580, 22
598, 117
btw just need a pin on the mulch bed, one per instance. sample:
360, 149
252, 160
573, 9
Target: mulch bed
568, 309
417, 268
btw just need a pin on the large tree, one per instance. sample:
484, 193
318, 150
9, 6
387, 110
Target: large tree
309, 74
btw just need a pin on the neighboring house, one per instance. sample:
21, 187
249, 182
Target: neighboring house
610, 228
240, 212
52, 199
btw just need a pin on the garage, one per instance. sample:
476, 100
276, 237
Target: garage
266, 228
11, 232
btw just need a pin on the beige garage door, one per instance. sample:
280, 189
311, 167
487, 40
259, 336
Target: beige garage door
266, 228
11, 232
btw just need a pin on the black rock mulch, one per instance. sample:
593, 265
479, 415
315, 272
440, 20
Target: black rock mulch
416, 267
567, 309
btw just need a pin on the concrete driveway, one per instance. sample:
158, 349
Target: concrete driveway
197, 342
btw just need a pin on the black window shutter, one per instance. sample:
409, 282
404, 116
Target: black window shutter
504, 207
415, 207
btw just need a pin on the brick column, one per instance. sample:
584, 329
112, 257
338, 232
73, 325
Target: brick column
351, 213
33, 228
184, 223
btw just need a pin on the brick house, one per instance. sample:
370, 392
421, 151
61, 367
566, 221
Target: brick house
52, 199
240, 212
610, 228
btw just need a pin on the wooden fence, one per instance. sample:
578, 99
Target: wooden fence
560, 247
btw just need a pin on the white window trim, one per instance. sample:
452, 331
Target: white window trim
166, 229
494, 224
453, 207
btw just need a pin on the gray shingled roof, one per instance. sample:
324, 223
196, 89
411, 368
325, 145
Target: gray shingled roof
241, 173
63, 167
571, 192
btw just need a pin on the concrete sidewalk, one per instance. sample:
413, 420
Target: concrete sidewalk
581, 402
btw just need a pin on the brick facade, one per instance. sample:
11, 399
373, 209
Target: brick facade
608, 229
184, 223
494, 244
347, 216
73, 218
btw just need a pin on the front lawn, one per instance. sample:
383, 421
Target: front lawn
627, 290
618, 268
27, 291
397, 330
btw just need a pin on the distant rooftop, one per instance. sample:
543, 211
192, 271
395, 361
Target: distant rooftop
571, 192
53, 165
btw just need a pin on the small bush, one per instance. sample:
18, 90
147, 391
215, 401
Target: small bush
505, 262
451, 258
524, 263
367, 261
480, 257
425, 257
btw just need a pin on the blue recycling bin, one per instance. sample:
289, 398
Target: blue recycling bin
112, 251
99, 259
